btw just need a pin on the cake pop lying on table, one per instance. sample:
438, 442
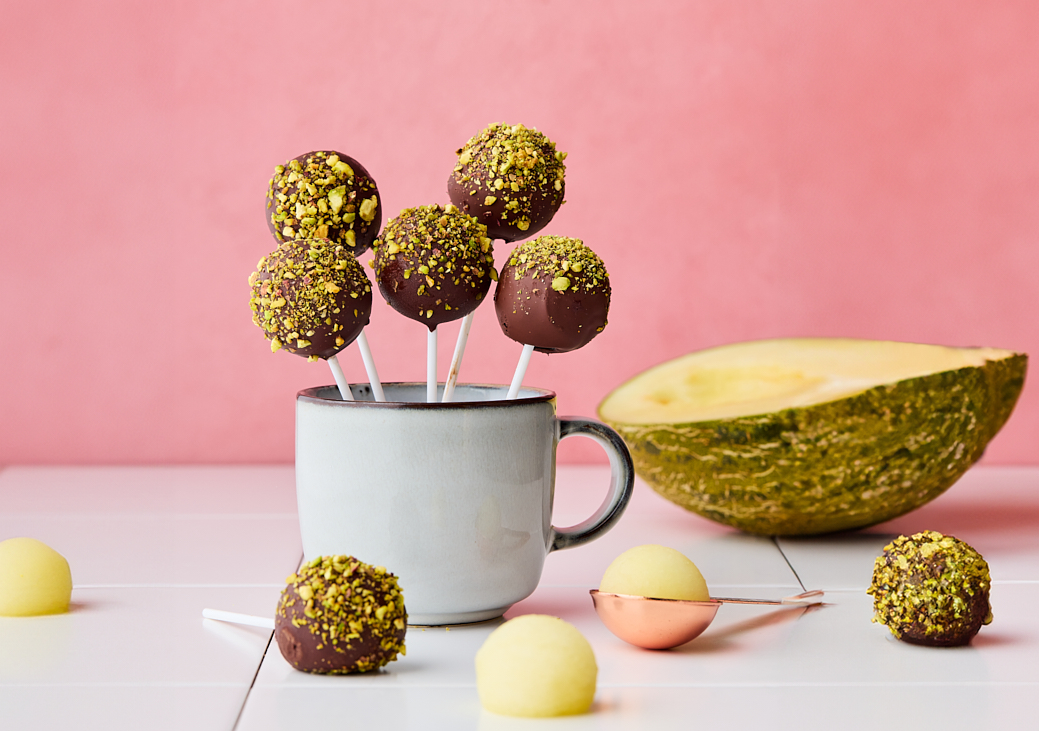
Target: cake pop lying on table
931, 589
434, 264
312, 299
553, 296
336, 615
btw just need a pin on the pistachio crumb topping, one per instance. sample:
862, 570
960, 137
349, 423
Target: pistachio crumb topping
319, 195
435, 258
931, 588
567, 263
345, 603
516, 166
299, 292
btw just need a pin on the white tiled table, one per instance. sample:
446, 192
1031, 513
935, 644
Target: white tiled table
149, 547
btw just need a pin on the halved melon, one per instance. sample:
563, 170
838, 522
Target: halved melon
804, 436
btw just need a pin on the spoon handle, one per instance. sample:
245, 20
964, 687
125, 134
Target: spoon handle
807, 597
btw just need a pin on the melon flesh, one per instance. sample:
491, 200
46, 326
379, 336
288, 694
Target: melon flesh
536, 666
803, 436
655, 571
770, 375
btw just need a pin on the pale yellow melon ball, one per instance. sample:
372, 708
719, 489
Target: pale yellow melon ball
655, 571
536, 666
34, 579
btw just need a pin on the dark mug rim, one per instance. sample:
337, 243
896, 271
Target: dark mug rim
314, 394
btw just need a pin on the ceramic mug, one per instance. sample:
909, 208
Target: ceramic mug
454, 498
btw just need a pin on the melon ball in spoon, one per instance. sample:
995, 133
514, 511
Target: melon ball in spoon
655, 571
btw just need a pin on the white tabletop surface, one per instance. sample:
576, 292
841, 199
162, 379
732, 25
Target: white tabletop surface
150, 547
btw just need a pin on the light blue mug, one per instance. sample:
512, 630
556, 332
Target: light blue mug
454, 498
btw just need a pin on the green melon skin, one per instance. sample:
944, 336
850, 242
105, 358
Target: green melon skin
846, 464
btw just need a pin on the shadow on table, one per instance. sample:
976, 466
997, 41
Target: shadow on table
721, 639
1007, 520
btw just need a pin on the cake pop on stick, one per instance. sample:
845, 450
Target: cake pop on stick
324, 195
553, 295
434, 264
312, 299
511, 178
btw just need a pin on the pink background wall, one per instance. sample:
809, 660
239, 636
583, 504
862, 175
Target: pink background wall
746, 170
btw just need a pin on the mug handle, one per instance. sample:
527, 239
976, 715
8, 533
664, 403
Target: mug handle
622, 482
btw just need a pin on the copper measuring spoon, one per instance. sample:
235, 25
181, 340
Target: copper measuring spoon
659, 624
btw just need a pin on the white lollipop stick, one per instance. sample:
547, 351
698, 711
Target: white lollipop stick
236, 618
369, 366
431, 367
521, 370
337, 373
456, 361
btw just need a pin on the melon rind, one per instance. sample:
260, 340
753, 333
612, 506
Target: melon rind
845, 464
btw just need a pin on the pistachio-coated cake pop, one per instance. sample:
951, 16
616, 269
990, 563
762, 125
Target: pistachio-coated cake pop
338, 615
311, 298
553, 294
434, 264
324, 195
511, 178
931, 589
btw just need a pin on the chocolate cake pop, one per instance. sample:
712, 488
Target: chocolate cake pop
931, 589
324, 195
553, 294
338, 615
511, 178
310, 297
434, 264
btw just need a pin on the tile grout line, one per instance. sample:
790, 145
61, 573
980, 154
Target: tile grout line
259, 666
252, 683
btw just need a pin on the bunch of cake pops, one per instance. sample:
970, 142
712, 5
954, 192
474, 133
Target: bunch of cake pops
433, 263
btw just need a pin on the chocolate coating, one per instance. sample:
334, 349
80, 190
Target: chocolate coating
324, 195
434, 264
931, 589
554, 294
338, 615
310, 297
511, 178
